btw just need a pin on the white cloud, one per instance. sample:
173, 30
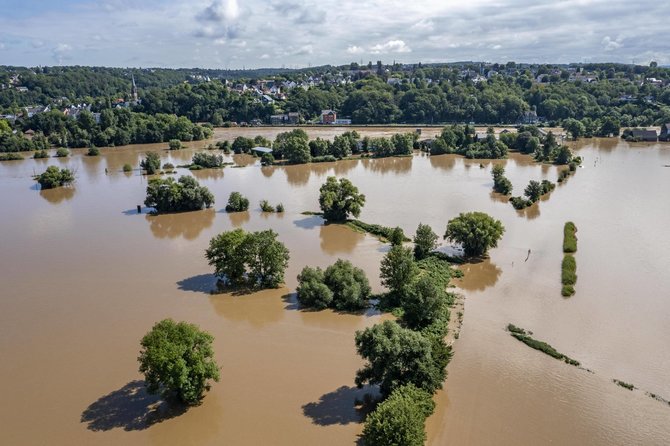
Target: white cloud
221, 11
392, 46
353, 49
611, 45
265, 56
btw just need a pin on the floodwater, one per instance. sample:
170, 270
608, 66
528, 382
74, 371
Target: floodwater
84, 277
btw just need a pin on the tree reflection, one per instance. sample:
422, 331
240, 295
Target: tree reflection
297, 175
339, 239
444, 162
188, 225
394, 165
237, 219
58, 194
479, 275
208, 174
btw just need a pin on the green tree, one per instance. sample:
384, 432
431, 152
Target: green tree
425, 241
62, 153
237, 202
424, 304
400, 419
500, 183
168, 195
476, 232
207, 160
225, 255
242, 145
397, 236
574, 127
178, 359
533, 191
256, 259
55, 177
174, 144
312, 292
266, 257
397, 356
563, 155
152, 163
340, 199
349, 285
397, 271
296, 150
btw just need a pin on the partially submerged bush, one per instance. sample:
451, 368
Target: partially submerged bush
341, 286
569, 238
93, 151
207, 160
40, 154
168, 195
55, 177
266, 207
237, 203
62, 152
151, 164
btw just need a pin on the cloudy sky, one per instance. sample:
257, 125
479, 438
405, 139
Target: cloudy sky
274, 33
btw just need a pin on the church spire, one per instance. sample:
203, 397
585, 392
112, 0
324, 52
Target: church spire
134, 91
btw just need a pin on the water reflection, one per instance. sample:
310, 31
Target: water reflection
244, 160
444, 162
478, 275
208, 174
237, 219
58, 194
188, 225
259, 309
343, 167
267, 171
339, 239
91, 165
393, 165
531, 212
297, 175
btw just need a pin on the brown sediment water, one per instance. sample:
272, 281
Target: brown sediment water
84, 277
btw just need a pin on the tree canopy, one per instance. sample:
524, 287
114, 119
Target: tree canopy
339, 199
476, 232
168, 195
177, 359
254, 259
55, 177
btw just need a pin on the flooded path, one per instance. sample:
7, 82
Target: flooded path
84, 278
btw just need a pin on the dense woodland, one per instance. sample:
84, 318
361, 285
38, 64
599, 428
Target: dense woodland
586, 99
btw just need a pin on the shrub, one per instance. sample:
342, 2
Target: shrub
55, 177
127, 168
350, 286
93, 151
237, 203
267, 159
62, 153
10, 157
174, 144
500, 183
397, 236
340, 199
569, 270
520, 202
39, 154
178, 358
151, 164
207, 160
169, 167
476, 232
569, 237
312, 292
266, 207
168, 195
400, 419
280, 208
521, 335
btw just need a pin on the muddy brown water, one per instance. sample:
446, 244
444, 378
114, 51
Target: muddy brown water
84, 277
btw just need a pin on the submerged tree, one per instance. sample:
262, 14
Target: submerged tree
178, 359
152, 163
476, 232
168, 195
255, 259
339, 199
55, 177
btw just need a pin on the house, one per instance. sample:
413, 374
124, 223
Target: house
32, 111
260, 149
328, 117
528, 117
22, 89
665, 133
644, 135
285, 119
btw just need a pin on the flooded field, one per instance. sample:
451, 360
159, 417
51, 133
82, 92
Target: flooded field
85, 277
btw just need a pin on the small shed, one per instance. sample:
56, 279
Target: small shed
644, 135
